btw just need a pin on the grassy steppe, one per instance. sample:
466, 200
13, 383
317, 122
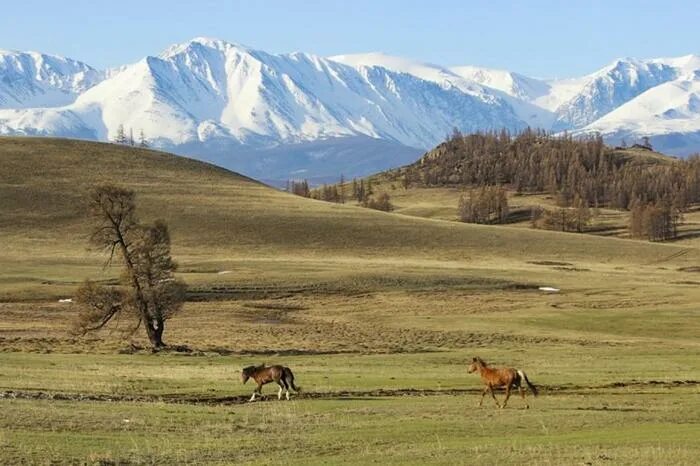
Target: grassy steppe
376, 313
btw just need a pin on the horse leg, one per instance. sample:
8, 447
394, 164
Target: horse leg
505, 402
258, 391
286, 387
522, 395
279, 392
493, 395
483, 394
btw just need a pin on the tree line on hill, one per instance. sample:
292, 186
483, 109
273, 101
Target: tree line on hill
579, 173
566, 168
360, 192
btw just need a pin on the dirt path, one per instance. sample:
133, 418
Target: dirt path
339, 395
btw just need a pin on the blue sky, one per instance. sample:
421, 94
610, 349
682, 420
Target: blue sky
539, 38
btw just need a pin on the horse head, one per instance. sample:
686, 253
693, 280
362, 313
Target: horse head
476, 364
246, 373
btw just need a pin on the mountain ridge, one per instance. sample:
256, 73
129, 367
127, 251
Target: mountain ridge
219, 100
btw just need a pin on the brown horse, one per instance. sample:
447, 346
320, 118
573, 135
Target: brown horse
265, 374
501, 377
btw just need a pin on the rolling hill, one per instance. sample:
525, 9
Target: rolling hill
217, 215
538, 172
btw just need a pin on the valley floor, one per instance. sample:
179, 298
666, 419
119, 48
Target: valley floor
441, 204
381, 357
376, 313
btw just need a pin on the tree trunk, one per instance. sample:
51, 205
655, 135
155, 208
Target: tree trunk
154, 329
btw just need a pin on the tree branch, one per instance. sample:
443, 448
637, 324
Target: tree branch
114, 310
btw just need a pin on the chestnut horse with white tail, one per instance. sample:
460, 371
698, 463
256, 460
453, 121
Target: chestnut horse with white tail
265, 374
501, 377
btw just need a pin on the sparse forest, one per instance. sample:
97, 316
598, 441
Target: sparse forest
488, 204
580, 174
567, 168
360, 192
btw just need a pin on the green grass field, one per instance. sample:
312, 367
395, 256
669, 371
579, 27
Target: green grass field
376, 313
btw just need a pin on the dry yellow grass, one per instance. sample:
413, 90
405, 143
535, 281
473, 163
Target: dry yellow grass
218, 218
357, 302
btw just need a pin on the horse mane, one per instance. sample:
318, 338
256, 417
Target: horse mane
249, 369
480, 361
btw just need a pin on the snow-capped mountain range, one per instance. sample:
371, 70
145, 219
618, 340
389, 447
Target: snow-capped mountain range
301, 115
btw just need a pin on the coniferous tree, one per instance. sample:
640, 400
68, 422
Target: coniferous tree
300, 188
121, 135
143, 142
636, 225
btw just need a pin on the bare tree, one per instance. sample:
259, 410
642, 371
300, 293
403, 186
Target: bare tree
149, 292
341, 189
581, 214
488, 204
655, 222
382, 202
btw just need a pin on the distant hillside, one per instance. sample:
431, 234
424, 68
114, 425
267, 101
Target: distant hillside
565, 167
43, 183
215, 215
534, 179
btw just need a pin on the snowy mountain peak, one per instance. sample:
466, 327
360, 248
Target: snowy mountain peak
382, 60
199, 43
611, 87
685, 65
30, 79
511, 83
230, 103
437, 74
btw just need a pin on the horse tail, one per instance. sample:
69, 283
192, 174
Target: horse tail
289, 379
530, 385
